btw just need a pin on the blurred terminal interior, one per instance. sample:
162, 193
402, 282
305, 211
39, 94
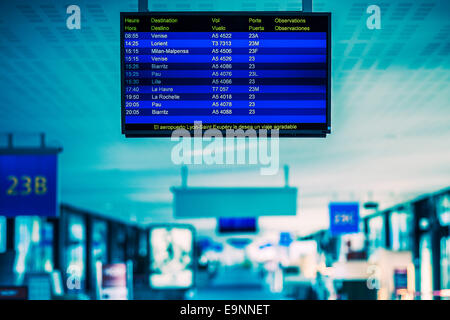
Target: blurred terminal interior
402, 252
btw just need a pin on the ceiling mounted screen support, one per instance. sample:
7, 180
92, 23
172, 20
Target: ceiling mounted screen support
143, 5
307, 5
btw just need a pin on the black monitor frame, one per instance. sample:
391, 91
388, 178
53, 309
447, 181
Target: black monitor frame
299, 133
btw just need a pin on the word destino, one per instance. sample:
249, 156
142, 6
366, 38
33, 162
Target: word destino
229, 309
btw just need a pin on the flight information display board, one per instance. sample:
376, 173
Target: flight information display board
229, 70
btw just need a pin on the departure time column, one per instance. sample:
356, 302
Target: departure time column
131, 64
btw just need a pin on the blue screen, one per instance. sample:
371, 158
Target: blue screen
229, 71
28, 185
237, 225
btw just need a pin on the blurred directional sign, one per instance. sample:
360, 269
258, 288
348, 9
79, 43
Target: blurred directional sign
13, 293
344, 217
285, 239
28, 185
234, 202
400, 279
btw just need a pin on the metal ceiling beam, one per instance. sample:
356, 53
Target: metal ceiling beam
143, 5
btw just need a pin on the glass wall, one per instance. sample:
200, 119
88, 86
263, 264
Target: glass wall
99, 242
443, 210
46, 245
443, 213
376, 233
143, 243
33, 244
401, 230
119, 238
426, 270
22, 244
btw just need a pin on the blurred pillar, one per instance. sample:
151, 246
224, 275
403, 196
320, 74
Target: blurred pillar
91, 271
184, 176
110, 242
387, 229
56, 243
436, 235
307, 5
286, 176
10, 234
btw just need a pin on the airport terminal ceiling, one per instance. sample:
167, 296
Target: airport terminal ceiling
390, 133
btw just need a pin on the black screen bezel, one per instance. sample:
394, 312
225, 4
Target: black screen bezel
299, 133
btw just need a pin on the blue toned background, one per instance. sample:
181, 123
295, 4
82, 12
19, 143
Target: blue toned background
390, 109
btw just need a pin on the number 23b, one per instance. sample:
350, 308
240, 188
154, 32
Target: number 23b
27, 185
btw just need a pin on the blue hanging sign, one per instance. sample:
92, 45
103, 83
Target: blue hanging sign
344, 217
28, 185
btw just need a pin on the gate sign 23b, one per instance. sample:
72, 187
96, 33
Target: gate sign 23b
344, 217
28, 185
